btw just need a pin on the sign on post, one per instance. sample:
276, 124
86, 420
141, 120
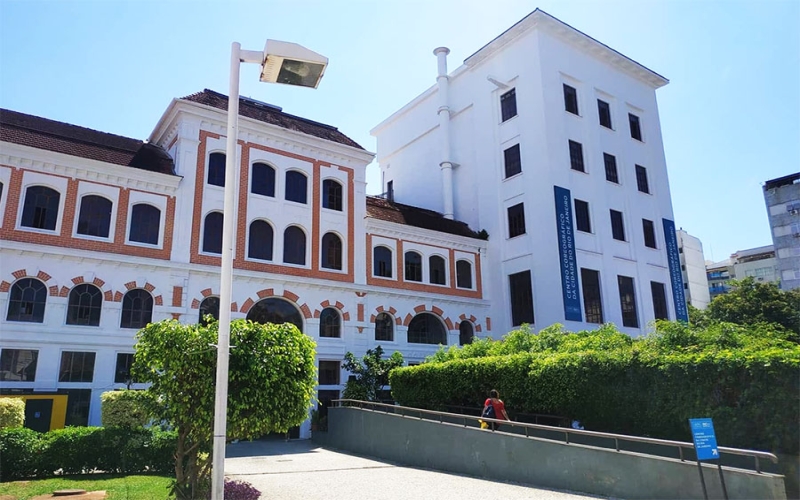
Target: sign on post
705, 441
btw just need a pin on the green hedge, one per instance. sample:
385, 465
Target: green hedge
25, 453
749, 386
12, 412
125, 408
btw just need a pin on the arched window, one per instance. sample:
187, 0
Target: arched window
384, 327
436, 270
145, 224
426, 328
94, 218
212, 233
260, 244
40, 210
85, 304
331, 251
263, 180
216, 169
413, 264
465, 333
294, 246
26, 301
209, 306
382, 262
296, 186
330, 324
331, 195
463, 274
276, 311
137, 309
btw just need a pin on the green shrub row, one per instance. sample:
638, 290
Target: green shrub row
25, 453
12, 412
648, 387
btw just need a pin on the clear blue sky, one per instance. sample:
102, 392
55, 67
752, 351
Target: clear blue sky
730, 116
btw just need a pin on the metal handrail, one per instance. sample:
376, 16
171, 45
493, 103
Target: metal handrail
680, 445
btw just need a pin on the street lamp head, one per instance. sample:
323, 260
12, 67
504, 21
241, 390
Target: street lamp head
292, 64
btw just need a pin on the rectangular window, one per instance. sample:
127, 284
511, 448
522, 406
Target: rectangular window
78, 403
649, 233
592, 302
582, 221
521, 298
636, 131
570, 99
508, 104
604, 111
659, 300
512, 161
627, 300
617, 226
611, 168
76, 367
641, 179
516, 220
18, 365
122, 374
329, 372
576, 156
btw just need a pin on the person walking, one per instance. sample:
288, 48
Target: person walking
494, 407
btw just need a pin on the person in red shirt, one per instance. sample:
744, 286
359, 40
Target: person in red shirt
499, 408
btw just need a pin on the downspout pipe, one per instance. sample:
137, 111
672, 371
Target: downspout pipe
446, 165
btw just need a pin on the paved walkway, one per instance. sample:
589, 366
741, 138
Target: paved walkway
301, 470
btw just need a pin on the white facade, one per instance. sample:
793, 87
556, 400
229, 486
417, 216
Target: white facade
535, 58
695, 279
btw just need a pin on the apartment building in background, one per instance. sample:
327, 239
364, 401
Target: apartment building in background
693, 269
759, 263
782, 197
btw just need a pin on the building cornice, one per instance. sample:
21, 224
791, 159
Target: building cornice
404, 232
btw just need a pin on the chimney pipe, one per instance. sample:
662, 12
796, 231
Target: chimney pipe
446, 165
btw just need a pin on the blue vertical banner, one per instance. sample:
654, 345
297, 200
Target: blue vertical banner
566, 252
675, 275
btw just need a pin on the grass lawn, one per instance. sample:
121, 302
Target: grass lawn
118, 487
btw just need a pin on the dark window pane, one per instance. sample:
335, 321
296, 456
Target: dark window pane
605, 113
659, 300
617, 226
76, 367
649, 233
26, 301
508, 104
636, 131
512, 161
294, 246
263, 180
95, 216
413, 266
384, 327
212, 233
465, 333
426, 329
18, 365
463, 274
122, 374
78, 403
275, 311
516, 220
576, 156
627, 299
436, 270
330, 323
1, 191
329, 372
209, 306
331, 195
570, 99
611, 168
296, 189
85, 304
582, 220
216, 169
137, 309
331, 251
521, 298
40, 210
259, 246
145, 224
592, 299
641, 179
382, 262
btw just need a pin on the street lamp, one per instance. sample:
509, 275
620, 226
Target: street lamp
281, 62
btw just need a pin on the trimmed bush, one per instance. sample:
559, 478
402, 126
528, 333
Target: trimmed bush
125, 408
20, 453
12, 412
240, 490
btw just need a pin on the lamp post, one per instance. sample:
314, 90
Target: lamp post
281, 62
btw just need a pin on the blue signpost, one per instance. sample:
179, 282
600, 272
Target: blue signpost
705, 446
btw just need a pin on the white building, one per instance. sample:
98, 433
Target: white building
693, 267
540, 126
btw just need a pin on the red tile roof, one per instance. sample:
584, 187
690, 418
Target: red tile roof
382, 209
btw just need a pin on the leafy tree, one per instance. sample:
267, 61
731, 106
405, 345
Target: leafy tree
371, 373
751, 302
271, 383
